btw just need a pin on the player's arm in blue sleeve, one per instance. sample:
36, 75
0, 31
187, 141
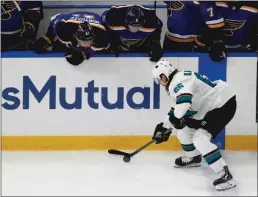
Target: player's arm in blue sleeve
155, 48
114, 21
58, 28
212, 15
213, 18
153, 25
33, 14
213, 38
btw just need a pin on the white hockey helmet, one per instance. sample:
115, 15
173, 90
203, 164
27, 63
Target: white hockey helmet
162, 67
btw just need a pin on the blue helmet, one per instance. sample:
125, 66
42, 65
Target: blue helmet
134, 16
85, 32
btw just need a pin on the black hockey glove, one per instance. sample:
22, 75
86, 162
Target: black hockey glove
160, 135
194, 124
217, 50
75, 58
41, 45
155, 52
177, 123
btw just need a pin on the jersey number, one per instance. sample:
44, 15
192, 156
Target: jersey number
201, 77
204, 79
210, 10
178, 87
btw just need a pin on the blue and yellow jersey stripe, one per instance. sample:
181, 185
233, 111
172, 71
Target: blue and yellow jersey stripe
117, 28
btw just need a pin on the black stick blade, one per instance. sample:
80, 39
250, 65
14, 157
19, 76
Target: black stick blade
117, 152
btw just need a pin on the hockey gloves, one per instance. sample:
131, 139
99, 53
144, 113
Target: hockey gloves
42, 44
155, 52
217, 50
160, 135
75, 58
177, 123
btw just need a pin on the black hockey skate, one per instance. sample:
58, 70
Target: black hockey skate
184, 162
225, 180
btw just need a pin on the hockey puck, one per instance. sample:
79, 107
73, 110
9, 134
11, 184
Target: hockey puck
126, 159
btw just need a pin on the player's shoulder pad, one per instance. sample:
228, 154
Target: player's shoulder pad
115, 17
65, 30
151, 20
98, 27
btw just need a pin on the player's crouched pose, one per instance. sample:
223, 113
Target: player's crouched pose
78, 34
202, 108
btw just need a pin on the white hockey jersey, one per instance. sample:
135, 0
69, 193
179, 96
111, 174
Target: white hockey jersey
194, 95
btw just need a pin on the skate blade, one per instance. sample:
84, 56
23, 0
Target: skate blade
226, 186
188, 166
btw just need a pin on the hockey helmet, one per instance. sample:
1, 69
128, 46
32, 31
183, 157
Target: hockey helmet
134, 16
162, 67
85, 32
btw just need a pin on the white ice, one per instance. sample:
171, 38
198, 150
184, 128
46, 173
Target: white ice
83, 173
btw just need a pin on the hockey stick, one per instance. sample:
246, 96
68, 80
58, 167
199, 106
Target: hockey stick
127, 156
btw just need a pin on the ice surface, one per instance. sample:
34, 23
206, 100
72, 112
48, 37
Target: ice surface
98, 173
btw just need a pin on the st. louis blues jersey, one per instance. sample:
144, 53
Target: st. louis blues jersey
241, 23
64, 26
114, 19
15, 13
188, 19
193, 94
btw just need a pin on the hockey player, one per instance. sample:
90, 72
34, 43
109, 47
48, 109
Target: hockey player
134, 28
241, 25
194, 26
202, 108
20, 21
79, 34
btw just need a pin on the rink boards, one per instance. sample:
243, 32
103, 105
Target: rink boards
109, 102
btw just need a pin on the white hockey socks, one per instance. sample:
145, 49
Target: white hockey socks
210, 151
185, 137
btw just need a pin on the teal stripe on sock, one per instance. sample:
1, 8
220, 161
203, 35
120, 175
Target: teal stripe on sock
210, 159
188, 148
183, 99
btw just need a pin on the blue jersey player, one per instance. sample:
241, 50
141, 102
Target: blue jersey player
80, 34
194, 25
20, 22
241, 25
134, 29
